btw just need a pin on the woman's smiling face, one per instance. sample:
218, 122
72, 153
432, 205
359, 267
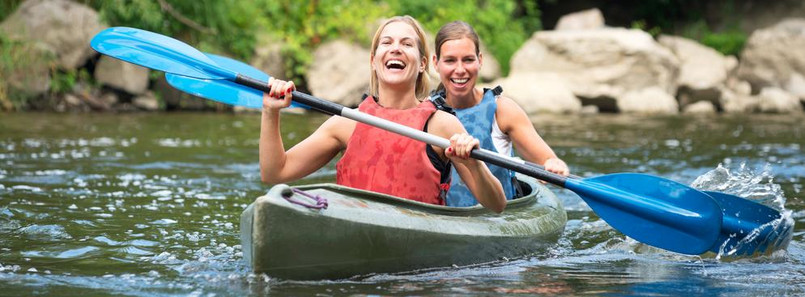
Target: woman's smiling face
458, 66
397, 59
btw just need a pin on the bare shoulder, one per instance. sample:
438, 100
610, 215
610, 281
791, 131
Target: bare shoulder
509, 107
444, 124
509, 114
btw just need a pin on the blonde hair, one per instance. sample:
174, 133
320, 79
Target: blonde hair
453, 31
424, 53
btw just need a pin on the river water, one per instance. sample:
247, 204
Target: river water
149, 205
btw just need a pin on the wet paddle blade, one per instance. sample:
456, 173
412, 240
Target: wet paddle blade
157, 52
224, 91
750, 228
653, 210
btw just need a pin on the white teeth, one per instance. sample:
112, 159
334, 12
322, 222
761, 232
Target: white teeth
395, 63
460, 80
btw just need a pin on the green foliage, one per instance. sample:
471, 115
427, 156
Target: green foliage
302, 25
503, 25
7, 62
233, 27
214, 25
730, 42
641, 25
64, 81
663, 16
7, 7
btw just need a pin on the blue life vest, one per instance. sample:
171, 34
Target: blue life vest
478, 121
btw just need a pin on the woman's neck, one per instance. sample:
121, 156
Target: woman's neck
397, 98
467, 101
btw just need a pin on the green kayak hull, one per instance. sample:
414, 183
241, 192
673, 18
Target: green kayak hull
363, 232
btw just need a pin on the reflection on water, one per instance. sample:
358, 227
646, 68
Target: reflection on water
149, 204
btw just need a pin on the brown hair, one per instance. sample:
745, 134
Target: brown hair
422, 79
453, 31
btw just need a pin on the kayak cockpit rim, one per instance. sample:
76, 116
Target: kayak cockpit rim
531, 190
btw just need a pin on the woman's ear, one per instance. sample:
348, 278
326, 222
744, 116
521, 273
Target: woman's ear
480, 60
424, 65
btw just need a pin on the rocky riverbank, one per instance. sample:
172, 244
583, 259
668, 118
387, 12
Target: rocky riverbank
581, 66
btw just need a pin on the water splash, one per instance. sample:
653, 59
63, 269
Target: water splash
758, 187
770, 237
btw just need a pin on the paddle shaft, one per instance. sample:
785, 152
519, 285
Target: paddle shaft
478, 153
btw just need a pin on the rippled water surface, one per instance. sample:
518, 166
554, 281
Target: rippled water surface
149, 205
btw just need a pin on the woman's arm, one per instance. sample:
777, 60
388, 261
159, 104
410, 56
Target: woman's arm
513, 121
279, 166
483, 185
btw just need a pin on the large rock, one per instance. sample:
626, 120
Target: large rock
340, 72
539, 92
736, 102
27, 69
582, 20
701, 107
651, 100
122, 75
177, 100
601, 63
702, 72
775, 100
796, 86
147, 101
773, 57
268, 57
64, 26
490, 70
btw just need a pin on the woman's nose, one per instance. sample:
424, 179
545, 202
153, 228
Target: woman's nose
460, 67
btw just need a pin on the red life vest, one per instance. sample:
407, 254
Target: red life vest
385, 162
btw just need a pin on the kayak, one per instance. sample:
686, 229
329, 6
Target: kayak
327, 231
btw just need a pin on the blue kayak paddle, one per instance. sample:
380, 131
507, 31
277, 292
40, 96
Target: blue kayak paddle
650, 209
748, 227
225, 91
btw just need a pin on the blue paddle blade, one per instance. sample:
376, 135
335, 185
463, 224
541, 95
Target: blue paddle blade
157, 52
653, 210
225, 91
750, 227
